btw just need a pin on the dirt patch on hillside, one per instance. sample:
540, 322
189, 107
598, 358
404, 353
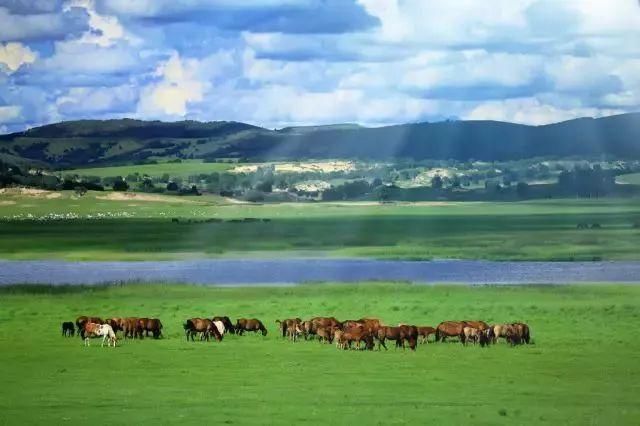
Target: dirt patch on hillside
31, 192
132, 196
316, 166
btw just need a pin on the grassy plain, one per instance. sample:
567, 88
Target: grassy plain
138, 228
184, 169
583, 368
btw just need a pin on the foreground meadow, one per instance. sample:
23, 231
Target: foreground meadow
582, 369
117, 226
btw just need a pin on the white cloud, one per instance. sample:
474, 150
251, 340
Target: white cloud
10, 114
179, 85
104, 30
88, 100
14, 55
530, 111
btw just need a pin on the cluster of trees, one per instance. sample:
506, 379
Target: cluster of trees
589, 181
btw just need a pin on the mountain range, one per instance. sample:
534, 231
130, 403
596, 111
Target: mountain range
121, 141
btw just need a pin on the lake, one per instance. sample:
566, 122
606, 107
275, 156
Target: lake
293, 271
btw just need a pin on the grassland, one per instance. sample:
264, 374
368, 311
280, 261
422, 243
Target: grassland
101, 227
582, 369
184, 169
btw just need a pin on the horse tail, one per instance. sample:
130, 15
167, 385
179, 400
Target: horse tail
437, 335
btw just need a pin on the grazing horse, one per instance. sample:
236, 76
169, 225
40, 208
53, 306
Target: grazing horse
67, 329
294, 331
486, 337
317, 322
522, 330
401, 334
470, 334
250, 324
97, 330
357, 335
205, 326
108, 334
449, 329
228, 325
424, 333
131, 328
409, 334
326, 334
117, 324
286, 324
502, 330
219, 325
480, 325
154, 326
82, 320
388, 333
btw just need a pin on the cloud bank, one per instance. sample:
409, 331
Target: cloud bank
282, 62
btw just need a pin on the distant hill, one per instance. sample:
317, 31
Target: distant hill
86, 142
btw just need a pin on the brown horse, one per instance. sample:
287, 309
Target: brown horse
522, 330
470, 334
287, 324
357, 335
310, 328
204, 326
117, 324
131, 328
502, 330
449, 329
326, 334
154, 326
82, 320
480, 325
388, 333
250, 324
424, 333
409, 334
228, 325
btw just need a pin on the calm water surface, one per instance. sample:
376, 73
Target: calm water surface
292, 271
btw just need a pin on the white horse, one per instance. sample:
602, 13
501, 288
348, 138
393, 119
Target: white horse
104, 330
220, 326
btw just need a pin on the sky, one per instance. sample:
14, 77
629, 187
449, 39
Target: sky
277, 63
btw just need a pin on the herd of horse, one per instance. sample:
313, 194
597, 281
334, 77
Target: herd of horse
359, 334
366, 331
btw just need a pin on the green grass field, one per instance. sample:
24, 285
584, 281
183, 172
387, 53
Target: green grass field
137, 229
584, 367
184, 169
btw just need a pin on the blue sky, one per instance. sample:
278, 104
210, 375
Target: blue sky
291, 62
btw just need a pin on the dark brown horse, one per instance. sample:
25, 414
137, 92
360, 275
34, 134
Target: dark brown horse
67, 329
250, 324
388, 333
153, 326
401, 334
